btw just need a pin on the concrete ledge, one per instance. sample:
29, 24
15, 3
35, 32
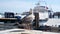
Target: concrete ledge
24, 31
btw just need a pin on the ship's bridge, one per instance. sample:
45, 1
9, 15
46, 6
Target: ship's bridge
43, 12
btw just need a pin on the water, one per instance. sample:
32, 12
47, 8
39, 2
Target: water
4, 26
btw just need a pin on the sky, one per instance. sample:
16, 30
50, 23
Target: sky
20, 6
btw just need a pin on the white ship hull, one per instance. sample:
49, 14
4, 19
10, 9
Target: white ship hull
54, 22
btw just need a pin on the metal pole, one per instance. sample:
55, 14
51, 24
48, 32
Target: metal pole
36, 20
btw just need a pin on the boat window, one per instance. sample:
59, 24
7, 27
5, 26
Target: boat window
55, 25
56, 16
43, 11
42, 20
52, 25
59, 26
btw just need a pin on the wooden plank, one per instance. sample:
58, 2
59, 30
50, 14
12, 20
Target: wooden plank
8, 18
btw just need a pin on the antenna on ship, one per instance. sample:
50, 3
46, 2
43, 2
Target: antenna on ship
38, 4
41, 1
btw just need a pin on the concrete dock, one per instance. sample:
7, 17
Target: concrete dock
24, 31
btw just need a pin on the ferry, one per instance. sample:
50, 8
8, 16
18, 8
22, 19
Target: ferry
47, 17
